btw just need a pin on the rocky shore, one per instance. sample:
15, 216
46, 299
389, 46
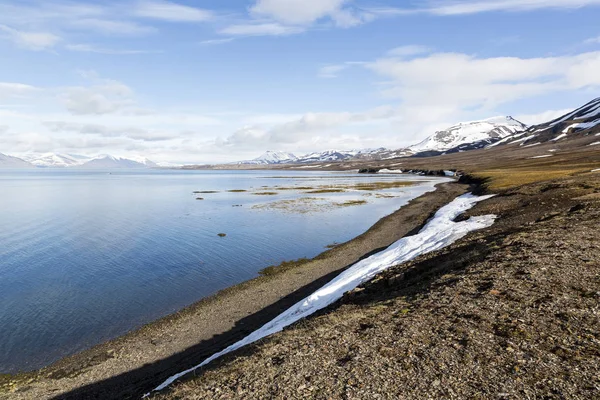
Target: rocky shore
508, 312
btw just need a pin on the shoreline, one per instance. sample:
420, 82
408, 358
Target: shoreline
129, 365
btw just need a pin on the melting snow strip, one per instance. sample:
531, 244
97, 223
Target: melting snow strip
439, 232
544, 156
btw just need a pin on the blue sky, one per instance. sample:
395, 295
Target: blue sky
215, 81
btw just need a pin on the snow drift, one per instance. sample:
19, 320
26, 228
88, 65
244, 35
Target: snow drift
440, 232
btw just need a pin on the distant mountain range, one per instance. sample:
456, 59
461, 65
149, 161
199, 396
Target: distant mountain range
461, 137
13, 162
51, 160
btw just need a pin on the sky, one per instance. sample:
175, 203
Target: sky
211, 81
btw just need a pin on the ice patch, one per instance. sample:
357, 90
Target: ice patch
582, 125
440, 232
544, 156
594, 144
562, 135
390, 171
523, 139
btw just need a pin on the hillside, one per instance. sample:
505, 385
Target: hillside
13, 162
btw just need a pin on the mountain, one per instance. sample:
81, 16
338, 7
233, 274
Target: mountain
111, 162
483, 132
346, 155
272, 157
13, 162
327, 156
381, 154
583, 121
55, 160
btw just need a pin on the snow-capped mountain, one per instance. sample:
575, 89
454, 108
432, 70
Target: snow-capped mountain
381, 153
13, 162
583, 121
327, 156
272, 157
111, 162
50, 160
345, 155
491, 130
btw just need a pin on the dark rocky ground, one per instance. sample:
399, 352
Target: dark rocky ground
510, 312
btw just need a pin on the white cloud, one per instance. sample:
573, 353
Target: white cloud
113, 27
104, 97
173, 12
286, 17
260, 29
408, 50
466, 7
594, 40
469, 81
88, 48
539, 118
216, 41
297, 12
10, 89
30, 40
478, 6
331, 71
135, 133
306, 130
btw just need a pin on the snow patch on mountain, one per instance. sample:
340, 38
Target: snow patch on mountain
495, 129
112, 162
51, 160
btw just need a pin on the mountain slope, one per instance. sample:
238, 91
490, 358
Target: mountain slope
13, 162
490, 130
583, 121
271, 157
55, 160
111, 162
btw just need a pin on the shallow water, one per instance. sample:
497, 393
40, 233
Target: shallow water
86, 256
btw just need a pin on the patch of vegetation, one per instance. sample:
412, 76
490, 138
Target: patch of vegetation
284, 266
199, 198
221, 234
205, 191
265, 193
302, 205
372, 186
506, 178
332, 245
330, 190
237, 191
295, 188
351, 203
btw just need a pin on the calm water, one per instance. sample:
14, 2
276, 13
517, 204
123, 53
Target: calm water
87, 256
